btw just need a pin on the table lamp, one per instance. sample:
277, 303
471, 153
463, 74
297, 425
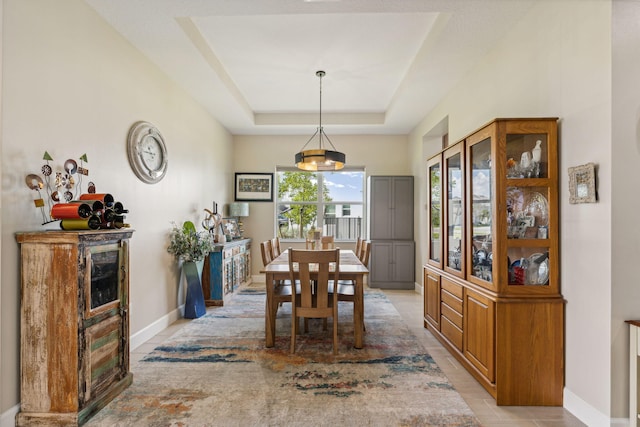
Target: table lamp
239, 210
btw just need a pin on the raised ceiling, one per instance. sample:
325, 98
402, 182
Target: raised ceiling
252, 63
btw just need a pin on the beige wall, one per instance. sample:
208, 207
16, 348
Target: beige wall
556, 62
625, 253
381, 154
72, 85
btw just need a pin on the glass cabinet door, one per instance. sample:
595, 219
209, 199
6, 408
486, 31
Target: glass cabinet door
530, 200
481, 199
454, 232
435, 204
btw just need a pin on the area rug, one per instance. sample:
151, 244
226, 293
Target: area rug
216, 371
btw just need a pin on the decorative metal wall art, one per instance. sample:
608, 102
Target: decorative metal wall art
64, 201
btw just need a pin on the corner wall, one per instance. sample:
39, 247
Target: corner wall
557, 62
625, 291
72, 85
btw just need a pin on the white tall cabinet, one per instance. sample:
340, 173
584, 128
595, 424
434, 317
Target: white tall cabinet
392, 258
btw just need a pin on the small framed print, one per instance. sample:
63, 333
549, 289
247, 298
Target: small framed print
582, 184
230, 227
254, 187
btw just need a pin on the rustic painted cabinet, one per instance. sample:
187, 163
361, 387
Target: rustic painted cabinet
226, 268
74, 324
491, 278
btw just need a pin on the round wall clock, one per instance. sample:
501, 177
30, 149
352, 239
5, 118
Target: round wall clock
147, 152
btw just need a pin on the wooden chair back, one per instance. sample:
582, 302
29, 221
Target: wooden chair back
365, 251
315, 301
275, 247
327, 242
358, 246
267, 252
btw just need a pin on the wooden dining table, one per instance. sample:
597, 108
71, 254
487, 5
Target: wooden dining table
350, 269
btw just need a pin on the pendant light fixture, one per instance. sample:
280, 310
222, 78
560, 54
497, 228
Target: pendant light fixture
320, 159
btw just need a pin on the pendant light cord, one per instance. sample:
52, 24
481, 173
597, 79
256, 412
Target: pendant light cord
320, 74
320, 131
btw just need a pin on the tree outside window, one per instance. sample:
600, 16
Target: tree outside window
302, 196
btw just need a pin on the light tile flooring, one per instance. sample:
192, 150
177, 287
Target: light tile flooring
409, 305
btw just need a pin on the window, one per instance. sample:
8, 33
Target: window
329, 202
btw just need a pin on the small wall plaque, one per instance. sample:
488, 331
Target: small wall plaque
582, 184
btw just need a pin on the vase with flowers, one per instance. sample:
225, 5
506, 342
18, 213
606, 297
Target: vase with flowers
189, 246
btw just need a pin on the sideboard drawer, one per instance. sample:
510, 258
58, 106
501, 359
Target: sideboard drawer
452, 301
451, 315
451, 287
451, 332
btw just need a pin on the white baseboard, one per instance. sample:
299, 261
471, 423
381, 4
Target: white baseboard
153, 329
258, 278
419, 288
8, 418
588, 414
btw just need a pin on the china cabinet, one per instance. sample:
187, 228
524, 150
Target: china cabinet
74, 324
492, 294
226, 267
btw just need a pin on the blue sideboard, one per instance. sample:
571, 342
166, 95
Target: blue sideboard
226, 268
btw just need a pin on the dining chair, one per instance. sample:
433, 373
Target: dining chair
327, 242
358, 246
346, 289
282, 290
365, 253
275, 247
266, 251
315, 301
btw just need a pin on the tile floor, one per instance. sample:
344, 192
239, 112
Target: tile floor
409, 305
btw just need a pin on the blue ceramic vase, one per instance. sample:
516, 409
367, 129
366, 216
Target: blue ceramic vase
194, 305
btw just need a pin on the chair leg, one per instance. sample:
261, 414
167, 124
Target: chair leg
335, 331
294, 331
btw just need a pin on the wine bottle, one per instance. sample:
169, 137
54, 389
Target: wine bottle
109, 215
119, 208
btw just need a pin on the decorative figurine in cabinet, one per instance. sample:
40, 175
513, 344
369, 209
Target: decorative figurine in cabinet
74, 324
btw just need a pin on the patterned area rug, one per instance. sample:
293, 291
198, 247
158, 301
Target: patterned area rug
217, 372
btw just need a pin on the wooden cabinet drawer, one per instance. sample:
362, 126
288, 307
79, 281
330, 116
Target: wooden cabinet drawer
451, 332
452, 301
451, 315
451, 287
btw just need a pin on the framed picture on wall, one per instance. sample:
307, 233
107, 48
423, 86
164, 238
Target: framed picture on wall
254, 187
582, 184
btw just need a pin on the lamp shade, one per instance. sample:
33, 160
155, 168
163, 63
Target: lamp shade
239, 209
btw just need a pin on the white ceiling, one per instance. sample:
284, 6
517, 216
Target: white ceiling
253, 63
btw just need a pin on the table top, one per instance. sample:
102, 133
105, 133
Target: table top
349, 263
